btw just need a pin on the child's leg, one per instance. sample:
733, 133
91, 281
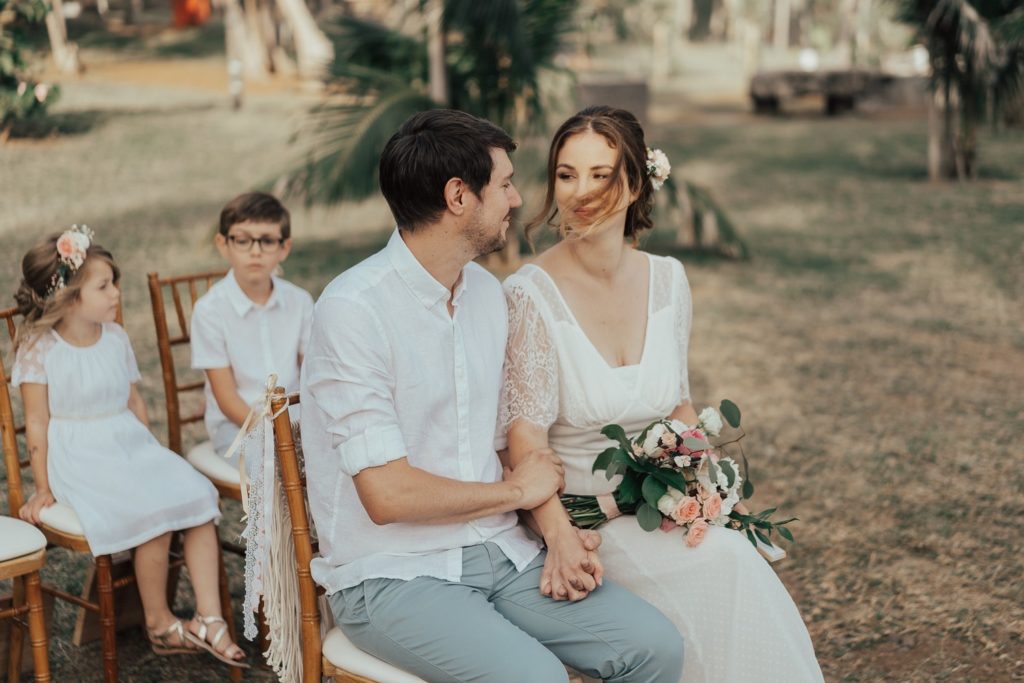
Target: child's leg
202, 557
151, 560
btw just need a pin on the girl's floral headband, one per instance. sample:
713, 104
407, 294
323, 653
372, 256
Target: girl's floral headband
658, 167
71, 251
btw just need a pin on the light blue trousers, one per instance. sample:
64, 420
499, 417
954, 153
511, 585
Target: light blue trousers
495, 627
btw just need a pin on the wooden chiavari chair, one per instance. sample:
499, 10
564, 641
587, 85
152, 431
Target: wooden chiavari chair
62, 528
333, 656
22, 554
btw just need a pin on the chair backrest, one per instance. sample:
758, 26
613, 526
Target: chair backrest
293, 483
182, 291
9, 426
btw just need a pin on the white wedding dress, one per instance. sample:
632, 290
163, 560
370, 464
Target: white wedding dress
739, 624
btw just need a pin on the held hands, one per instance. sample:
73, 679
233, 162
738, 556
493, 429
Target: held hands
31, 509
572, 569
538, 477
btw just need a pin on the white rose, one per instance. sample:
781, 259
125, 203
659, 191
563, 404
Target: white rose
651, 442
710, 421
668, 502
41, 91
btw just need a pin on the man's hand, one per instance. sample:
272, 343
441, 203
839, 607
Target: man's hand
571, 569
39, 500
538, 476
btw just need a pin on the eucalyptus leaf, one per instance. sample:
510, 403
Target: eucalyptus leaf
602, 461
748, 488
730, 473
653, 490
617, 433
629, 488
764, 539
731, 412
648, 517
785, 533
712, 473
695, 444
750, 535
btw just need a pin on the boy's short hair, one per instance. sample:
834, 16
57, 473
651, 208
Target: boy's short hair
428, 150
255, 206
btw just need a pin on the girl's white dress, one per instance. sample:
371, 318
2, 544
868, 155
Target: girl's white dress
101, 460
739, 624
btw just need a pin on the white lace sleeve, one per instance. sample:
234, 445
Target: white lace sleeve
531, 365
30, 361
684, 318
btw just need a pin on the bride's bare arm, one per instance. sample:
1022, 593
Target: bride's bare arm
685, 413
571, 570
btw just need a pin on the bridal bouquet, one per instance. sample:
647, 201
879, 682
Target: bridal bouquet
672, 475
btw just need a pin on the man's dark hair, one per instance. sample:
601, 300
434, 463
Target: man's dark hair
258, 207
429, 149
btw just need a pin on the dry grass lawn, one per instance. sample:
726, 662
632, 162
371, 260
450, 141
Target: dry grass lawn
874, 341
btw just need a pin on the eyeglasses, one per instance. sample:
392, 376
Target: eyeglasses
244, 243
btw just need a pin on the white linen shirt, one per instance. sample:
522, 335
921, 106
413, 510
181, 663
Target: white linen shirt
390, 374
230, 330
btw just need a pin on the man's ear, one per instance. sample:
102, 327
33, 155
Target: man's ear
455, 195
221, 243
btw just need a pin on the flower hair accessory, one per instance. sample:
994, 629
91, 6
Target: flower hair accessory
72, 246
658, 167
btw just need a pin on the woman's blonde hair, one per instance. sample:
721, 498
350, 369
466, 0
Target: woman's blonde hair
41, 305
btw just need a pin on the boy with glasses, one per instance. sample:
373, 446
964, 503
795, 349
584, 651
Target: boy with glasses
251, 323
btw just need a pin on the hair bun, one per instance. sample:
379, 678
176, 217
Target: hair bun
30, 304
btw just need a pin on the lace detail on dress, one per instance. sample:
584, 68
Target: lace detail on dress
549, 292
662, 278
684, 317
531, 365
30, 361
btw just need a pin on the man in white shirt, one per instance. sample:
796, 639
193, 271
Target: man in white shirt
421, 549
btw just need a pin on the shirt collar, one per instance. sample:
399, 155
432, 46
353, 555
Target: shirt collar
241, 302
424, 286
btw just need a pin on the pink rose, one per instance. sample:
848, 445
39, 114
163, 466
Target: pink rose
691, 434
65, 246
669, 440
687, 510
713, 506
696, 533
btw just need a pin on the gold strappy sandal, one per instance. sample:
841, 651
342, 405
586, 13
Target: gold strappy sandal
172, 641
210, 645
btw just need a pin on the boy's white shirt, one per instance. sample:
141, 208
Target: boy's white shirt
230, 330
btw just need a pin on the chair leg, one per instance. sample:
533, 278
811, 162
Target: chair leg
37, 628
227, 610
14, 640
108, 620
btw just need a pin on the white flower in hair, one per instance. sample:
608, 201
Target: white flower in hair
72, 247
658, 167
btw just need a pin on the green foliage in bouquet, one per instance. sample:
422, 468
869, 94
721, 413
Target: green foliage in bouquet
20, 97
670, 463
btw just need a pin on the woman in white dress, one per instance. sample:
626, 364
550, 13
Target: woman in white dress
91, 448
598, 334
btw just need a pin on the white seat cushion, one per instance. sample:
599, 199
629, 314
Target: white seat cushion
340, 652
206, 460
62, 518
18, 538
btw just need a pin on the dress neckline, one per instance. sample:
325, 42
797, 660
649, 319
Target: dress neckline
590, 343
103, 332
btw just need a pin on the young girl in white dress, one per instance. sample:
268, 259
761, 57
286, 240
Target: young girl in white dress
90, 446
598, 334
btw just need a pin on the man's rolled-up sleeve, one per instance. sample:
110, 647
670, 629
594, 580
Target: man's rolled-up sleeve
351, 381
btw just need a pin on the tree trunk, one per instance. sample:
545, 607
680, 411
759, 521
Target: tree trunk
438, 74
65, 54
314, 52
935, 165
780, 32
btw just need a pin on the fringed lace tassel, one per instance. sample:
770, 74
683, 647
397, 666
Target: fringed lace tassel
281, 596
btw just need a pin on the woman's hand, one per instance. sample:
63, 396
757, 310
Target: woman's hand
39, 500
571, 569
